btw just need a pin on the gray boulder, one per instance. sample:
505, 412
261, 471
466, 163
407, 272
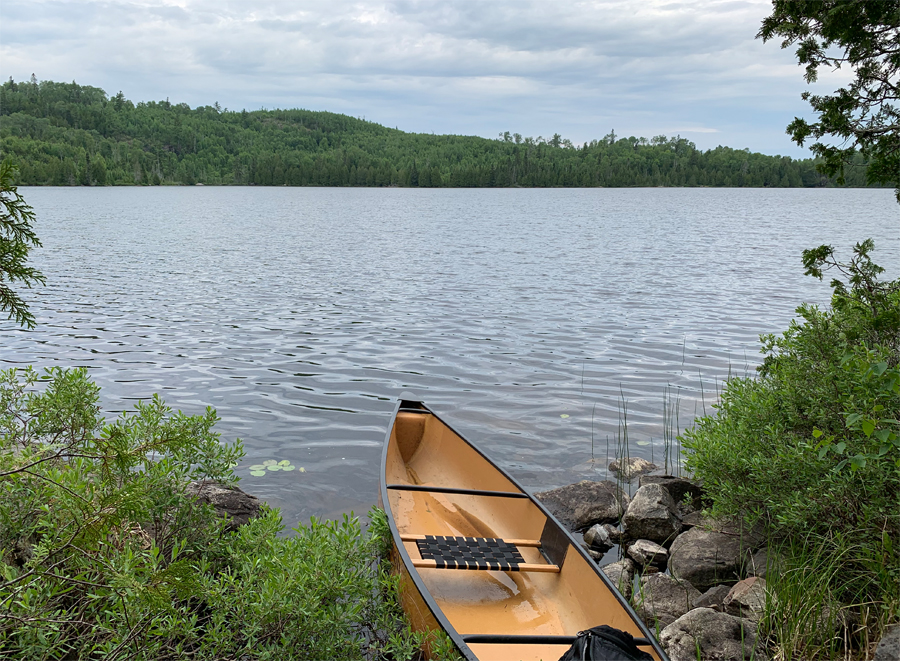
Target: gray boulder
691, 520
581, 505
646, 553
615, 535
631, 467
231, 503
889, 646
663, 599
747, 598
651, 515
621, 574
598, 537
679, 488
762, 562
594, 553
713, 598
711, 553
705, 635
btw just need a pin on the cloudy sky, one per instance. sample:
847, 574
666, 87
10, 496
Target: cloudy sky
640, 67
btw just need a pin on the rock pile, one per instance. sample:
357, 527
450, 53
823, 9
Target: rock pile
690, 567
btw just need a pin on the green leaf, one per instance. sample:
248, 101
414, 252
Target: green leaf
868, 426
816, 432
857, 462
840, 466
883, 435
823, 451
879, 368
284, 462
853, 418
257, 473
840, 447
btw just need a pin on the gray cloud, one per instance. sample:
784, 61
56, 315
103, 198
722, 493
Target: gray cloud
536, 67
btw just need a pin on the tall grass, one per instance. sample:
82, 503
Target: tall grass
819, 603
671, 431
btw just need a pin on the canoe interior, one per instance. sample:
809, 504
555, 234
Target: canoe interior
422, 450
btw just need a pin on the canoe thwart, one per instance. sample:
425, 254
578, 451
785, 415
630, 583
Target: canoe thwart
464, 492
512, 639
514, 542
432, 564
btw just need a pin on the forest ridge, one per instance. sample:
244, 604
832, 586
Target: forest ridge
70, 134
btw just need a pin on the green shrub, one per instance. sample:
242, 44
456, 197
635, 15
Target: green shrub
104, 556
812, 446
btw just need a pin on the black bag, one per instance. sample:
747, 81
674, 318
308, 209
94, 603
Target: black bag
604, 643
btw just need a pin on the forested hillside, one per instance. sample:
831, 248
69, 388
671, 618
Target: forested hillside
69, 134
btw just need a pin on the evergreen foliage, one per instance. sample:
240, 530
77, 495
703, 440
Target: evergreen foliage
17, 238
863, 116
69, 134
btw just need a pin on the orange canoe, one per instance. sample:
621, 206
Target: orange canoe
483, 560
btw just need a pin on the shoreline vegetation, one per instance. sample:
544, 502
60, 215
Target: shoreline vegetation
65, 134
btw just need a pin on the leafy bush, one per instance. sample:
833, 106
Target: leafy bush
104, 556
812, 446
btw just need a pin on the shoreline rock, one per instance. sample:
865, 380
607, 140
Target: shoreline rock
678, 488
646, 554
712, 553
663, 599
581, 505
747, 599
621, 574
652, 515
713, 598
889, 646
232, 503
630, 468
707, 635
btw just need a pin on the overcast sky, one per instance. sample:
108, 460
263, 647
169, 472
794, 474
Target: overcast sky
640, 67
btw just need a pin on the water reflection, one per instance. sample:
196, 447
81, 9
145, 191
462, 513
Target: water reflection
300, 314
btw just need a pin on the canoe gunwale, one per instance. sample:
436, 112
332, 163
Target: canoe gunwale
402, 405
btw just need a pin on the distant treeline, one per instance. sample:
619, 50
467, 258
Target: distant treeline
69, 134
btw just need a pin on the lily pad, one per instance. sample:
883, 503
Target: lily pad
643, 443
564, 415
302, 470
263, 468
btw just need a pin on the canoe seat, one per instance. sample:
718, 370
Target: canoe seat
470, 553
478, 553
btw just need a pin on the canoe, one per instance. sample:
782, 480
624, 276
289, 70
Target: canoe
480, 558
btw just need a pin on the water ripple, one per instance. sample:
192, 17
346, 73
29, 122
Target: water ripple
300, 314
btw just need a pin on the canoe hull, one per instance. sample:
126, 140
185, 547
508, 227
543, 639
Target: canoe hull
435, 482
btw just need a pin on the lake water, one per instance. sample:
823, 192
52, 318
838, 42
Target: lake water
300, 314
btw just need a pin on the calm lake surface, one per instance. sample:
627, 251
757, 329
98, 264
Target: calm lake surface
300, 314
